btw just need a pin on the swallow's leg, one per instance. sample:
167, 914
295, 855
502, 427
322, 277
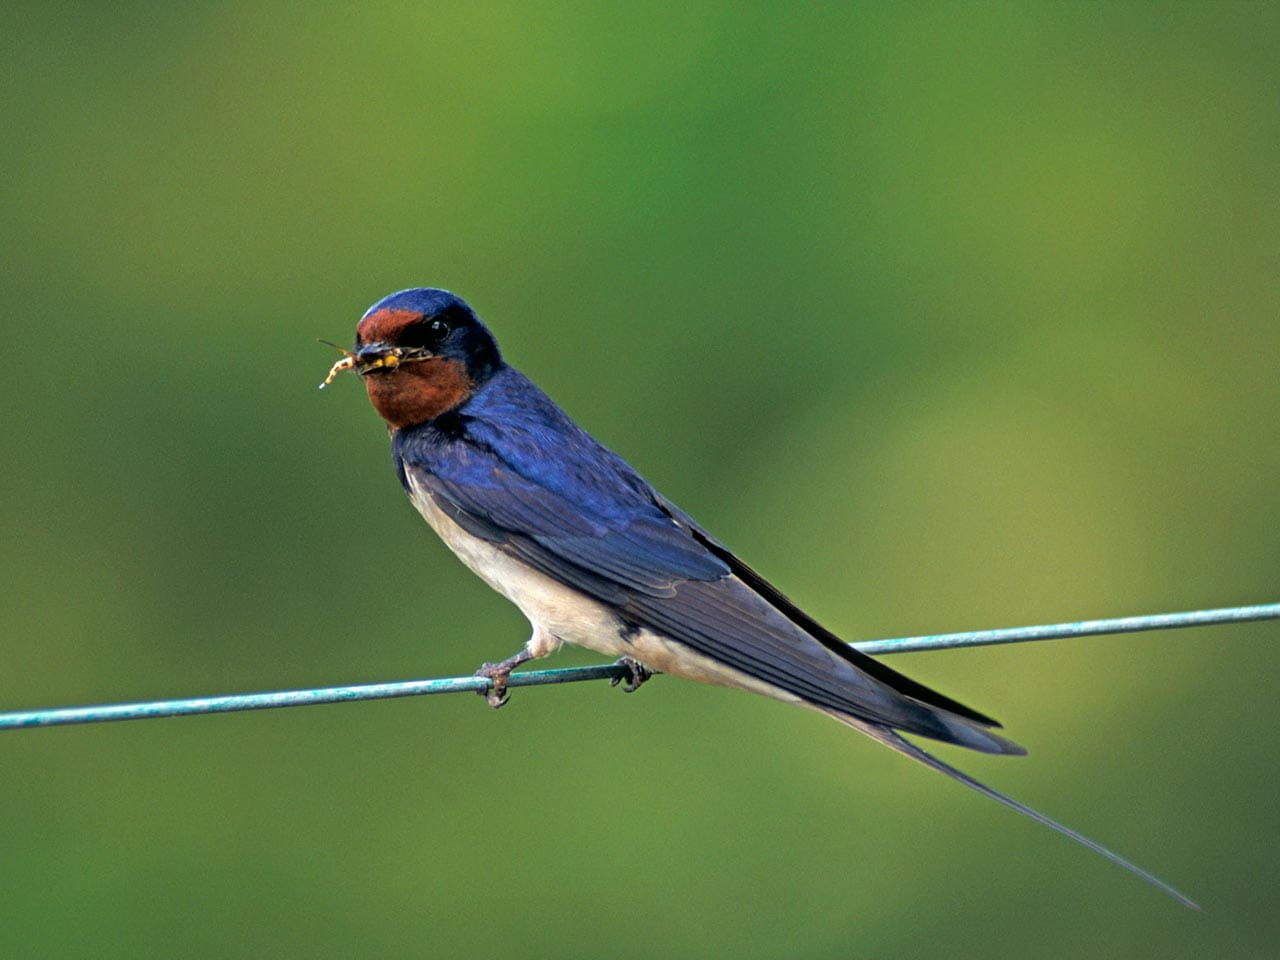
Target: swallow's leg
500, 673
637, 673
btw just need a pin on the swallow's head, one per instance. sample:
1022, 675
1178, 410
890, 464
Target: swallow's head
421, 353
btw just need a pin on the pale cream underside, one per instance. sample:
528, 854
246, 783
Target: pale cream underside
559, 614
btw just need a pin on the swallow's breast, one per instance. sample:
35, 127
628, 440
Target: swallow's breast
558, 614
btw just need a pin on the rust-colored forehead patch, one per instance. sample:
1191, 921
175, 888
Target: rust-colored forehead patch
385, 325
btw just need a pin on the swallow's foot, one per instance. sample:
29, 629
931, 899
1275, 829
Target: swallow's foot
637, 673
500, 674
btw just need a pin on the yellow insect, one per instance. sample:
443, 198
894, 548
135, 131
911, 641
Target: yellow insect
387, 358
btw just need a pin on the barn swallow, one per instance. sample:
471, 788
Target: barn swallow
592, 554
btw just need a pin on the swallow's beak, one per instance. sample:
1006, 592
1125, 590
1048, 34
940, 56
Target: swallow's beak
374, 356
378, 355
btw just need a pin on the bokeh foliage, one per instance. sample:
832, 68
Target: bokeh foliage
945, 316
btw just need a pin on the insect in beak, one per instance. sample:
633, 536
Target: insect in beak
374, 356
346, 363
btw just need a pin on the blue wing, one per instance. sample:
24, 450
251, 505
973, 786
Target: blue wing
511, 468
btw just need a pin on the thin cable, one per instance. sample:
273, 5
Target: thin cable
1081, 628
61, 716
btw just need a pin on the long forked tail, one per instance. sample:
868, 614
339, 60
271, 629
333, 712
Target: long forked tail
891, 738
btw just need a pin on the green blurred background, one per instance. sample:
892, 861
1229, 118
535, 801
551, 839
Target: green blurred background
945, 317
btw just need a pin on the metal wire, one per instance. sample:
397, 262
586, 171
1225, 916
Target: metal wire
61, 716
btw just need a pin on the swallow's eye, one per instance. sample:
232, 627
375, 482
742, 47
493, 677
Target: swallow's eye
426, 333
